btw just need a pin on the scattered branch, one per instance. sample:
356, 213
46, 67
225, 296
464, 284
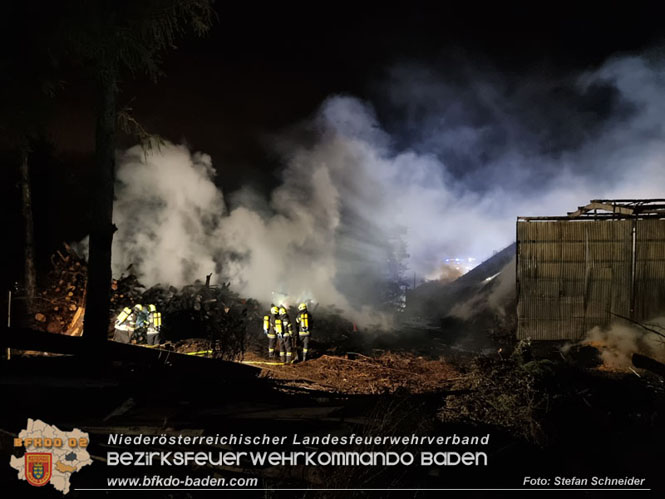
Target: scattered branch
642, 325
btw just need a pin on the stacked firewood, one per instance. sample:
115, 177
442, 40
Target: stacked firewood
212, 313
60, 304
125, 292
199, 310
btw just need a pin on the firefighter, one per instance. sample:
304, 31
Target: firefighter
286, 336
154, 326
269, 330
124, 325
141, 323
304, 322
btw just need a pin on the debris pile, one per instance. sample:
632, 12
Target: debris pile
125, 292
333, 333
360, 374
512, 394
212, 313
59, 308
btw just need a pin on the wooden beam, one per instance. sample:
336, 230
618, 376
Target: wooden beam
28, 339
612, 208
600, 209
609, 207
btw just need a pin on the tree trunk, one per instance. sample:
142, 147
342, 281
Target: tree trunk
98, 294
29, 248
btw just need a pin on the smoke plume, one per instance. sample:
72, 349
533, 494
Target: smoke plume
442, 166
620, 341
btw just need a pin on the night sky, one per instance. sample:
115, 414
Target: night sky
265, 68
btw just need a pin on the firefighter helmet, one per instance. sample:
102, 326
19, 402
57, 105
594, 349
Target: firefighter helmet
302, 307
138, 306
274, 310
282, 310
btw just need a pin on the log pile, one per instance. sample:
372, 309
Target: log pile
125, 292
61, 302
213, 313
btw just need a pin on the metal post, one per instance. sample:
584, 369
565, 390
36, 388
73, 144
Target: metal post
9, 320
633, 269
517, 273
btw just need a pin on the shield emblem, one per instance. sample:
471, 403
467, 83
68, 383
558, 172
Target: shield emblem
38, 468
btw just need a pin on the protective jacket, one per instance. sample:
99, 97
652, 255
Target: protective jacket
268, 326
285, 339
270, 330
139, 324
154, 320
154, 325
304, 322
126, 320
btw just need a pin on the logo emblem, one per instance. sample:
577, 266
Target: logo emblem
38, 468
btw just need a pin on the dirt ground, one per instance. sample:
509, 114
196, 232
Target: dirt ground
359, 374
541, 415
352, 373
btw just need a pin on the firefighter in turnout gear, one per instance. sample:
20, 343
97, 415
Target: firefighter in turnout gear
286, 337
304, 322
154, 325
269, 330
124, 325
140, 325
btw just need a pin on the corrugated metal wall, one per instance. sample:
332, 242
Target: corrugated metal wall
649, 269
571, 274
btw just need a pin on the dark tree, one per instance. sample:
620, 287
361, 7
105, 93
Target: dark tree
28, 84
114, 39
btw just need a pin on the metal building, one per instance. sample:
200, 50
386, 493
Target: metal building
605, 260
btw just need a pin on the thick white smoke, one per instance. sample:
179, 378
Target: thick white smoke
618, 342
167, 210
326, 231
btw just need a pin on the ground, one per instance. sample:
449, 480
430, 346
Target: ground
360, 374
543, 417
